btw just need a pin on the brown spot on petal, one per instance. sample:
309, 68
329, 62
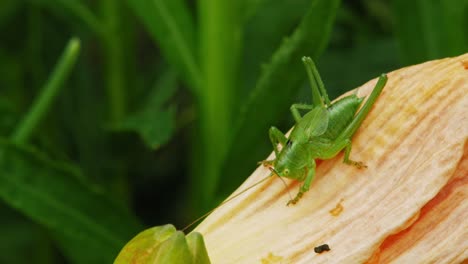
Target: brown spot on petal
338, 209
271, 259
465, 64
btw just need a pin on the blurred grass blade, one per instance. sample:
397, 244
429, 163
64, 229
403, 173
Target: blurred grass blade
154, 123
163, 90
56, 196
430, 29
277, 85
45, 99
221, 40
78, 9
172, 27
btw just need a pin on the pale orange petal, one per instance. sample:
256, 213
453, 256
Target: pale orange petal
440, 233
412, 141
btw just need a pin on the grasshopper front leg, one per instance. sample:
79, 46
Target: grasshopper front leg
276, 137
310, 170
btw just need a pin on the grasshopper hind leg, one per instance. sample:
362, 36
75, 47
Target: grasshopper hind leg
344, 137
357, 164
338, 146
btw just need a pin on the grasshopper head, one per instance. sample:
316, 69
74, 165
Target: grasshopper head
292, 160
285, 169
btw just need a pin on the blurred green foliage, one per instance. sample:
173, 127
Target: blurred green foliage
162, 107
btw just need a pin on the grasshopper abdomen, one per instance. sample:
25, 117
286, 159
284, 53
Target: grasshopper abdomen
342, 113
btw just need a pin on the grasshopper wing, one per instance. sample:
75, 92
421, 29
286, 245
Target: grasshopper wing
315, 122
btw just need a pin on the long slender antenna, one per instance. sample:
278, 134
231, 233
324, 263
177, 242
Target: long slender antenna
282, 180
228, 200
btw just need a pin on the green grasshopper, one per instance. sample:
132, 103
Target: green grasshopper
320, 134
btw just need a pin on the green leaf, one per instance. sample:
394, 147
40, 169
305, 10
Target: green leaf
154, 124
171, 26
163, 89
154, 127
276, 87
49, 92
20, 235
57, 196
431, 29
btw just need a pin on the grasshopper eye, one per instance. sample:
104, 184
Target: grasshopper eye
286, 172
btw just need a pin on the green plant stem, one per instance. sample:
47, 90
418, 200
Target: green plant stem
220, 36
181, 38
115, 73
114, 49
115, 82
44, 101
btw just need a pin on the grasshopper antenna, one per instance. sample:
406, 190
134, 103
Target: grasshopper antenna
228, 200
282, 180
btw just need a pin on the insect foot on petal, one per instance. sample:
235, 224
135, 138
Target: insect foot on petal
295, 200
357, 164
266, 163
